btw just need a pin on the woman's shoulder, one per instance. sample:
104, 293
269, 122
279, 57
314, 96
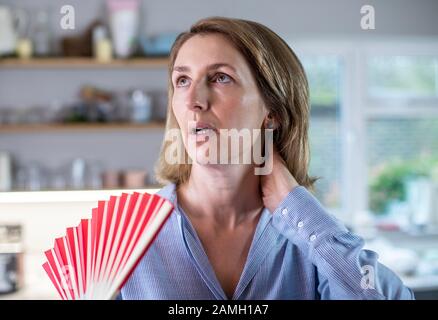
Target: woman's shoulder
167, 192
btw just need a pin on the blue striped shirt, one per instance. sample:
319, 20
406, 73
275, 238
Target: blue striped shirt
298, 252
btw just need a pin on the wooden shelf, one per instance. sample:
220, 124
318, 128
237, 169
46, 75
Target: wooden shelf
35, 128
79, 62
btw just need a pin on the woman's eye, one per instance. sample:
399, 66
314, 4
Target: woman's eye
222, 78
182, 82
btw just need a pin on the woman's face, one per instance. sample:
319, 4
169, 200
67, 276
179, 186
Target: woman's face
214, 89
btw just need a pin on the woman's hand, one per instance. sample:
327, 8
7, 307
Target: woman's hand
276, 185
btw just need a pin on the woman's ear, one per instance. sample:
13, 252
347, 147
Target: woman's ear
270, 122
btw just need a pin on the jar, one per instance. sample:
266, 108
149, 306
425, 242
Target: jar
141, 106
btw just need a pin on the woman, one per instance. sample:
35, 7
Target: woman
235, 234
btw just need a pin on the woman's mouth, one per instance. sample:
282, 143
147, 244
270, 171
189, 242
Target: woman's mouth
202, 128
201, 131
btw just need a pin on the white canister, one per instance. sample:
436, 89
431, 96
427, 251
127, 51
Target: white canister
419, 195
5, 172
434, 206
8, 36
141, 107
124, 25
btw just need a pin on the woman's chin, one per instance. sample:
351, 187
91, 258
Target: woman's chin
201, 154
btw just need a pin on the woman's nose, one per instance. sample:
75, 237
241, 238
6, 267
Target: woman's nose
197, 97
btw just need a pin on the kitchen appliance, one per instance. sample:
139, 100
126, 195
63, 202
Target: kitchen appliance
11, 258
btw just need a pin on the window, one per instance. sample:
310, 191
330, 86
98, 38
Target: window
402, 142
374, 113
402, 77
323, 73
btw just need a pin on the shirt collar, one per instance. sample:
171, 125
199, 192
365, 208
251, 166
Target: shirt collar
265, 238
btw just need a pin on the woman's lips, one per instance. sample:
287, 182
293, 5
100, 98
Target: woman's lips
201, 130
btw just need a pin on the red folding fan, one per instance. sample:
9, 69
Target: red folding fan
94, 259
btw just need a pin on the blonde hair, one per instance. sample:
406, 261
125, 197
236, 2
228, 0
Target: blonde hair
281, 81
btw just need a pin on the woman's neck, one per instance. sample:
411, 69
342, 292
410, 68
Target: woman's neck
228, 195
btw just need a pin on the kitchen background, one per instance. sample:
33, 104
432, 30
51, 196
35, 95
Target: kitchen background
82, 110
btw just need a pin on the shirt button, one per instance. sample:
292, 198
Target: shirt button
312, 237
284, 211
300, 224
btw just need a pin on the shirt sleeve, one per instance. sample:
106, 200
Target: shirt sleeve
345, 269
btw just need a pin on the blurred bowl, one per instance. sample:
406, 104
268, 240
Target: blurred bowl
158, 45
